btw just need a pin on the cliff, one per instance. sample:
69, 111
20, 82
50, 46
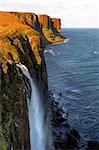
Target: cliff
57, 24
21, 39
51, 28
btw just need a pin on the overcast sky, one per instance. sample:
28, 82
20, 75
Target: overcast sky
73, 13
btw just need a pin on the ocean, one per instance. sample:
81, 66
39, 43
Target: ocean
73, 77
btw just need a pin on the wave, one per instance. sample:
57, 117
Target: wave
72, 97
65, 41
77, 91
96, 53
45, 51
50, 51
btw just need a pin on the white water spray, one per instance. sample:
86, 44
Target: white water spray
36, 114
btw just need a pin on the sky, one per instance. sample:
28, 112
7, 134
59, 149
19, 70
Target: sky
73, 13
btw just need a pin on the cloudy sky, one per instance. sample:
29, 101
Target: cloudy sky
74, 13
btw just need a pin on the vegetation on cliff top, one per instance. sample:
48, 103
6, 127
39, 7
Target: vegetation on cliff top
13, 31
51, 36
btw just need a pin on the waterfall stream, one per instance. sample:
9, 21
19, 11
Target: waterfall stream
36, 114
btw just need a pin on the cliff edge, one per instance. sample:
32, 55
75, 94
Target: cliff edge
22, 37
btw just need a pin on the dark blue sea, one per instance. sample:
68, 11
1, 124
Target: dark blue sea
73, 71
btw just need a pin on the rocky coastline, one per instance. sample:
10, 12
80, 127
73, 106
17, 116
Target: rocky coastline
23, 37
63, 136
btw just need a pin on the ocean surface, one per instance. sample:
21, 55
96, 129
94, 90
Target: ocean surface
73, 76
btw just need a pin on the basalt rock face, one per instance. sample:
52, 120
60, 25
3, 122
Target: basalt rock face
19, 43
22, 36
47, 22
44, 20
50, 28
64, 137
57, 24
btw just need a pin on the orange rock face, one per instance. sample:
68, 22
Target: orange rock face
57, 23
9, 23
44, 20
30, 19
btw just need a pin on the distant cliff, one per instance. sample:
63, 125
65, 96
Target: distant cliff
22, 36
49, 28
47, 22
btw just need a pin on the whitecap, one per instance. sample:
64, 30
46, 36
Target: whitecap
45, 51
69, 90
96, 53
76, 91
65, 41
49, 51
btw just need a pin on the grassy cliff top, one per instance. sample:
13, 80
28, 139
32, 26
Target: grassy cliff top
16, 33
12, 32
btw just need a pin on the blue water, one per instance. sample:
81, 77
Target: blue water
73, 70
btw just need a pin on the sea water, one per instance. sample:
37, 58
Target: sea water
73, 71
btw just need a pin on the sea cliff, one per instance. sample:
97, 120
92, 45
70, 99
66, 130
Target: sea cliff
22, 38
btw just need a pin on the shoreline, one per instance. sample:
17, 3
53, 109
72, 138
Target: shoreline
58, 43
65, 41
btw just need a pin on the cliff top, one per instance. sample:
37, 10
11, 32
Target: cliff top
13, 35
17, 29
9, 22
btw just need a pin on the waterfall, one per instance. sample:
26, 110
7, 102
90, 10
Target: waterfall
36, 114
